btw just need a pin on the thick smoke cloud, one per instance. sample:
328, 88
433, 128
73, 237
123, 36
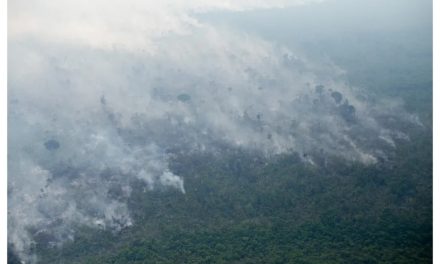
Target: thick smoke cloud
97, 104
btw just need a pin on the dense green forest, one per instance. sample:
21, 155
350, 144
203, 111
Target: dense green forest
242, 207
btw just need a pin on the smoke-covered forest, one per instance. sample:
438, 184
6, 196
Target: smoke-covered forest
220, 131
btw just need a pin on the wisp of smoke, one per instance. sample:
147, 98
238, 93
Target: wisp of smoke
89, 114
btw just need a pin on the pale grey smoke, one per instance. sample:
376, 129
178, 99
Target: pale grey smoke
87, 117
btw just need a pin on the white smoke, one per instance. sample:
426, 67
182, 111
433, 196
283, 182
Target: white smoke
102, 94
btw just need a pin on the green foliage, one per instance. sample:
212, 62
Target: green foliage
184, 97
239, 208
242, 208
